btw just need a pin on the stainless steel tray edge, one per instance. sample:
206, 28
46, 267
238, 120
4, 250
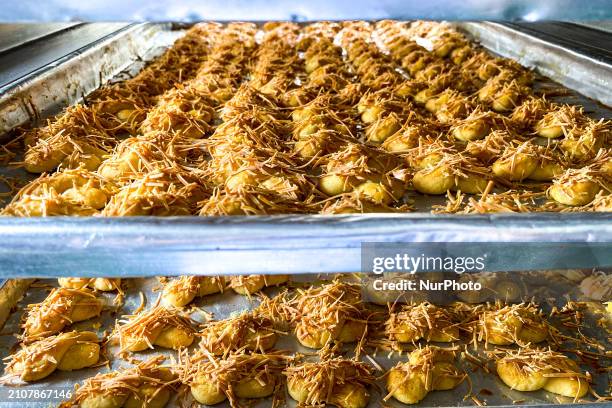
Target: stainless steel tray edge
65, 82
142, 246
576, 71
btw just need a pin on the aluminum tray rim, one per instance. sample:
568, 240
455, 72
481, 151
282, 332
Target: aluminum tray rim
150, 246
544, 226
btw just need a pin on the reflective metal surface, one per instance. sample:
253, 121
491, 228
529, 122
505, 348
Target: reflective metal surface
15, 35
145, 246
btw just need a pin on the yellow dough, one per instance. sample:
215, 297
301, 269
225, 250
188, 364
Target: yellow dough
249, 284
472, 130
159, 326
339, 382
516, 164
575, 187
532, 369
413, 322
436, 180
212, 380
182, 291
331, 312
520, 323
101, 284
145, 385
427, 369
67, 192
67, 352
61, 308
248, 330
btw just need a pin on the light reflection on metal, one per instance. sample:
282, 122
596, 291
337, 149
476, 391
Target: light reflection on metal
145, 246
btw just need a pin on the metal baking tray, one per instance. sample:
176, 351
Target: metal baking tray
315, 243
487, 387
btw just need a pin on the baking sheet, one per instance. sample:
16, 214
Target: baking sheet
487, 387
142, 246
66, 82
19, 105
16, 34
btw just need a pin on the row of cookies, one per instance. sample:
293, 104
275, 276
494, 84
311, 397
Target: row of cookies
318, 315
